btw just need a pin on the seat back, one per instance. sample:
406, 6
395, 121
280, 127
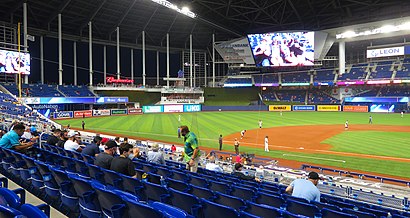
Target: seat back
212, 210
170, 210
113, 179
32, 211
271, 200
198, 181
137, 209
220, 187
10, 198
302, 208
360, 214
131, 185
328, 213
244, 193
177, 185
154, 192
230, 201
262, 210
202, 192
88, 201
106, 198
187, 202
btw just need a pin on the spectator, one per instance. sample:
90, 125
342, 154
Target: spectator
306, 189
71, 144
104, 159
125, 139
211, 165
117, 140
93, 148
155, 156
173, 148
63, 138
28, 136
239, 173
191, 149
54, 138
135, 154
103, 142
11, 139
123, 164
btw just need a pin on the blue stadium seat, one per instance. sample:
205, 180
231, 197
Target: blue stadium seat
113, 179
131, 185
271, 200
262, 210
170, 211
321, 205
137, 209
302, 208
177, 185
360, 214
202, 192
230, 201
187, 202
212, 210
244, 214
378, 213
96, 173
328, 213
244, 193
40, 211
8, 212
220, 187
198, 181
88, 202
154, 192
67, 192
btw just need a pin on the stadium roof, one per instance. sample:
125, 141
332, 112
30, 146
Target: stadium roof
226, 18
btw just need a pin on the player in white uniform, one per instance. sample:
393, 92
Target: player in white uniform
179, 118
266, 144
243, 133
260, 123
401, 114
346, 125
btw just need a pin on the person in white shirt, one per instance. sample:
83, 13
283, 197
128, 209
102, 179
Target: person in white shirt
243, 133
260, 124
71, 144
27, 135
347, 125
401, 114
211, 165
266, 144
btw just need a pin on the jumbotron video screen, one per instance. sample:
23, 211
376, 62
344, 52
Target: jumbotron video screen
283, 49
14, 62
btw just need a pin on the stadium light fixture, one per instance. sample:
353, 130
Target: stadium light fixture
184, 10
373, 31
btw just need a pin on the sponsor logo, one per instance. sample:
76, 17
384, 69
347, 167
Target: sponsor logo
118, 111
328, 108
280, 108
101, 113
63, 114
192, 107
304, 107
351, 108
153, 109
135, 111
87, 113
385, 52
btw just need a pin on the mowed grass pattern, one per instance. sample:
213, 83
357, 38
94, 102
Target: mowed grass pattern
391, 144
208, 126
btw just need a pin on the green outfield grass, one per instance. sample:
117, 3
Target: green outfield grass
208, 126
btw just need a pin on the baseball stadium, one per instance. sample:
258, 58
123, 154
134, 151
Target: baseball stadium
208, 109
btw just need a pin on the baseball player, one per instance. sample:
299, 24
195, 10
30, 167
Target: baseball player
346, 125
243, 133
179, 118
266, 144
402, 114
260, 124
370, 119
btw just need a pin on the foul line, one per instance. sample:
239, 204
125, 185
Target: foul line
319, 158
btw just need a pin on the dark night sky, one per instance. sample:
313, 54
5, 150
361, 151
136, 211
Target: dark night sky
51, 62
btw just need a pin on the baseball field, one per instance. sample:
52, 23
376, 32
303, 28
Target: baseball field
294, 137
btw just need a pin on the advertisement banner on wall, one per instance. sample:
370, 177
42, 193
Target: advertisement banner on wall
97, 113
178, 108
192, 107
304, 107
385, 52
118, 111
86, 113
328, 108
153, 109
351, 108
63, 115
134, 111
280, 108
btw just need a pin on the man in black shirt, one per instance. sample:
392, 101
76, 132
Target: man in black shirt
123, 164
238, 172
54, 138
62, 139
104, 159
93, 148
